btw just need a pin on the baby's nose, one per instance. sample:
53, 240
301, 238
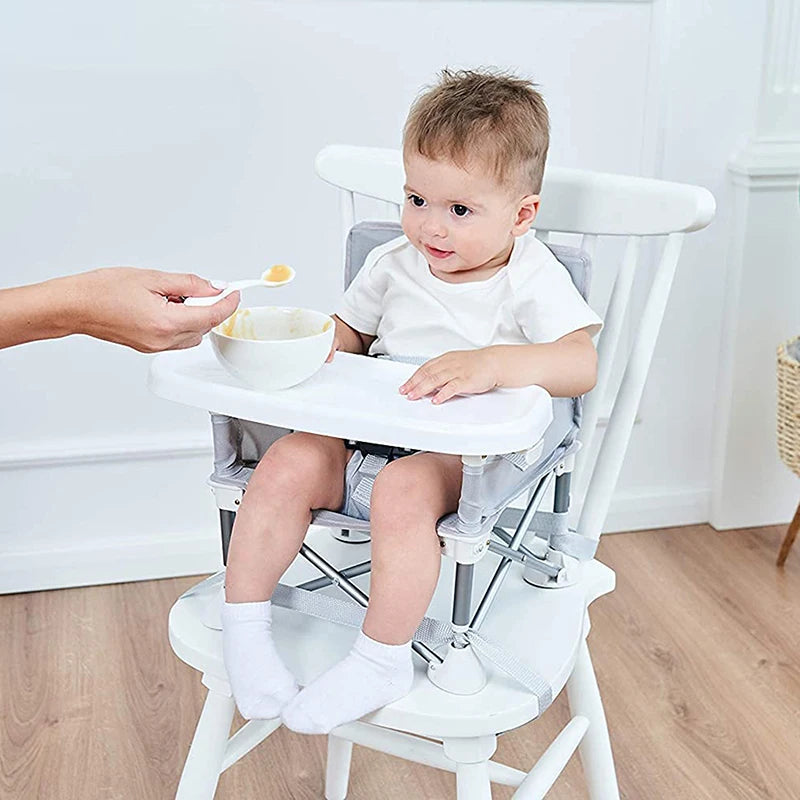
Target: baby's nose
433, 226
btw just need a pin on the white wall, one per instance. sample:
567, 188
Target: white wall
182, 135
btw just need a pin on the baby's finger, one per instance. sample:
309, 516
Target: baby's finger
424, 386
423, 372
450, 389
411, 382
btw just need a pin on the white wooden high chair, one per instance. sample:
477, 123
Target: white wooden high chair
487, 667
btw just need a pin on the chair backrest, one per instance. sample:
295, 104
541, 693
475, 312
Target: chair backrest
592, 205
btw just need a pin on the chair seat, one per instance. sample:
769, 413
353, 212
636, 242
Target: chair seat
543, 627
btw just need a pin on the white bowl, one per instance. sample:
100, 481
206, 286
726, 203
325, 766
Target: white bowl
273, 348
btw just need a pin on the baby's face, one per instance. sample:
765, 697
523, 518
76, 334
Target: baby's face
462, 220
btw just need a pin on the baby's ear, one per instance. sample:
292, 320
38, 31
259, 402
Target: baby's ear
526, 213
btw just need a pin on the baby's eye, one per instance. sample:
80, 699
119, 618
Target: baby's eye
416, 200
459, 210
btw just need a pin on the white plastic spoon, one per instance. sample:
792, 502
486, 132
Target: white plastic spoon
276, 276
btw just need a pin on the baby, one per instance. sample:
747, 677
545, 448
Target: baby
487, 307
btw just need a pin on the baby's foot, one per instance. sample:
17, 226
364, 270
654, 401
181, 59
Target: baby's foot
260, 681
372, 675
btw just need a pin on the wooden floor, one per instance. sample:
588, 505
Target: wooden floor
697, 654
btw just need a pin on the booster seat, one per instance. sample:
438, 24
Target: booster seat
531, 647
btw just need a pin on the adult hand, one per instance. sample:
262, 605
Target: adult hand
135, 307
143, 310
457, 372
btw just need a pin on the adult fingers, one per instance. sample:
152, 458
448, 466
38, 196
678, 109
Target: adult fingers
201, 319
221, 310
183, 284
188, 341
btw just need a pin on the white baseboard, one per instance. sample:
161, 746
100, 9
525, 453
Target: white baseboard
638, 511
169, 555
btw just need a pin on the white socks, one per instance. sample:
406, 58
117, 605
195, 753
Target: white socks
372, 675
261, 683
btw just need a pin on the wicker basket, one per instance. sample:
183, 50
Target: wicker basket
789, 404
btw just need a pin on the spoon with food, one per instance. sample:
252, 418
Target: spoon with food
275, 276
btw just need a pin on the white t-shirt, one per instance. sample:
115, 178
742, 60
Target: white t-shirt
397, 299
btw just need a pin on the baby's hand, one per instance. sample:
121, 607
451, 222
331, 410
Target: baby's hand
457, 372
334, 347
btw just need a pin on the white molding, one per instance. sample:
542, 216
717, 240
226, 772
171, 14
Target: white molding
105, 449
119, 560
766, 163
656, 103
778, 115
167, 555
644, 510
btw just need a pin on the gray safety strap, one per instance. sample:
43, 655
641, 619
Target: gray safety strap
367, 471
416, 361
573, 544
431, 632
553, 527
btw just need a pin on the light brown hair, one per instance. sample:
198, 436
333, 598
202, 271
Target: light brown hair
485, 115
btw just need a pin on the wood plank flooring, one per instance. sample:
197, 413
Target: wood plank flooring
697, 654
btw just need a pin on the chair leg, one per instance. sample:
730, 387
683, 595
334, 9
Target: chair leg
472, 766
204, 762
472, 782
791, 535
337, 774
595, 747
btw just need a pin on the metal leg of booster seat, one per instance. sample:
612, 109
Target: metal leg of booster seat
352, 591
462, 600
461, 672
226, 520
516, 540
561, 492
595, 747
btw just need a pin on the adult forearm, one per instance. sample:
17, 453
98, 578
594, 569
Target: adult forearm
134, 307
566, 368
39, 311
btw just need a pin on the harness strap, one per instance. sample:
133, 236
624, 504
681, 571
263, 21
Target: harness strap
431, 632
552, 525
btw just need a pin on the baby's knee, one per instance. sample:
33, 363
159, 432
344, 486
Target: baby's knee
400, 488
292, 459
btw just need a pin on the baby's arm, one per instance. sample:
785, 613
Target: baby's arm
349, 339
566, 368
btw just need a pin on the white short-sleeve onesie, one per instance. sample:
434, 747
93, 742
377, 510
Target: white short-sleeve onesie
413, 314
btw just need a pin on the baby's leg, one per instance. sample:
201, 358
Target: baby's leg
298, 473
409, 497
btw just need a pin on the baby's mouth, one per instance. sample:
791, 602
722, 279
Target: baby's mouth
437, 253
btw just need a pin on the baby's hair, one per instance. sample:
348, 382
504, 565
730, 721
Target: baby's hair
485, 115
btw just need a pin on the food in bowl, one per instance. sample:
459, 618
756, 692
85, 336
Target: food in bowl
270, 347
